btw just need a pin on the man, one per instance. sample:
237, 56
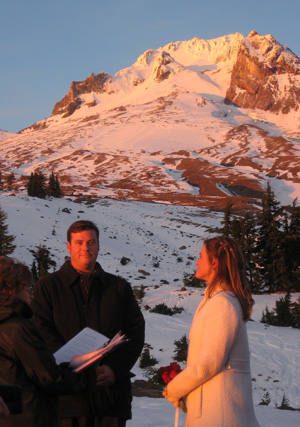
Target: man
82, 294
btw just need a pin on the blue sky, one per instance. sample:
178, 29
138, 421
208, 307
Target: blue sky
45, 45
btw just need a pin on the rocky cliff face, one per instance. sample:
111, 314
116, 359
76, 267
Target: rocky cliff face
72, 101
263, 70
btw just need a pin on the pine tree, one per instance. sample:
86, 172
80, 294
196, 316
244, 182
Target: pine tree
243, 231
1, 181
236, 230
6, 241
269, 244
291, 247
42, 261
295, 310
53, 188
10, 181
226, 230
34, 271
249, 249
181, 349
284, 314
146, 359
36, 185
266, 400
283, 311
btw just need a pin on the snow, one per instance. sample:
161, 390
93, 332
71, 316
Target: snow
145, 123
171, 235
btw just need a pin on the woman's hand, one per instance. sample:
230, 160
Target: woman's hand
172, 399
176, 402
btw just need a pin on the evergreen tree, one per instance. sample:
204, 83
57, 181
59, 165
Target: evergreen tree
226, 230
291, 248
269, 245
266, 400
295, 310
42, 261
36, 185
249, 249
181, 349
53, 188
243, 231
283, 311
1, 181
6, 241
10, 181
146, 359
34, 271
236, 230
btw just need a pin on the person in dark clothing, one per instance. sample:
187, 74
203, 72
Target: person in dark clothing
82, 294
4, 411
24, 358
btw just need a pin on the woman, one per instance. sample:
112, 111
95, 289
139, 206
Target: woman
216, 383
4, 411
24, 357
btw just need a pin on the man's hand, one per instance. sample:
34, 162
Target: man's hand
105, 375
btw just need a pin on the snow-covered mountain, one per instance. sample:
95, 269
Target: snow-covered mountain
192, 123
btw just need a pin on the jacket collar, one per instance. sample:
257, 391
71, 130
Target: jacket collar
18, 308
70, 275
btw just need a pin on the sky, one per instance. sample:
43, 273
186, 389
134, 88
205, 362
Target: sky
47, 45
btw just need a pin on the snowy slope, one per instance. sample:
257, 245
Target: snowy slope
172, 236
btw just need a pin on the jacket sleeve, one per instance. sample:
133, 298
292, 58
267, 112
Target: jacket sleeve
212, 335
42, 306
123, 359
39, 364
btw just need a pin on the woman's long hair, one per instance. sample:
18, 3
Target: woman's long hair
230, 273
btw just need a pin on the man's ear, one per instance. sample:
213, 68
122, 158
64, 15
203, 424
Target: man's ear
68, 247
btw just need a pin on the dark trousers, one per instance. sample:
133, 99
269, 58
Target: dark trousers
93, 422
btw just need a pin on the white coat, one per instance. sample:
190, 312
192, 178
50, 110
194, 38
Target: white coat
217, 379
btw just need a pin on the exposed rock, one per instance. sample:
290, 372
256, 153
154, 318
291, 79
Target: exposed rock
255, 79
72, 101
141, 388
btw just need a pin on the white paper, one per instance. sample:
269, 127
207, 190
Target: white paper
80, 362
85, 341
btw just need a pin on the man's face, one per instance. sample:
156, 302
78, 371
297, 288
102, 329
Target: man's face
83, 248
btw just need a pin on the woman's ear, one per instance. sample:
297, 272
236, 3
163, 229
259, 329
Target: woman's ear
215, 263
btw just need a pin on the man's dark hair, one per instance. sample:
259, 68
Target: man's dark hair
82, 225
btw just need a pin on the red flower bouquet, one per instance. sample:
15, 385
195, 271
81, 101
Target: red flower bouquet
167, 373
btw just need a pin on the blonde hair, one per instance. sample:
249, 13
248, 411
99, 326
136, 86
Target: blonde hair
230, 272
14, 277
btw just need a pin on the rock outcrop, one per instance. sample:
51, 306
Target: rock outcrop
264, 70
72, 101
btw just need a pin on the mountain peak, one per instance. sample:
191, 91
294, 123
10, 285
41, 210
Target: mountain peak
194, 122
257, 69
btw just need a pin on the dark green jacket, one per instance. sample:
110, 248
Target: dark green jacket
61, 311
